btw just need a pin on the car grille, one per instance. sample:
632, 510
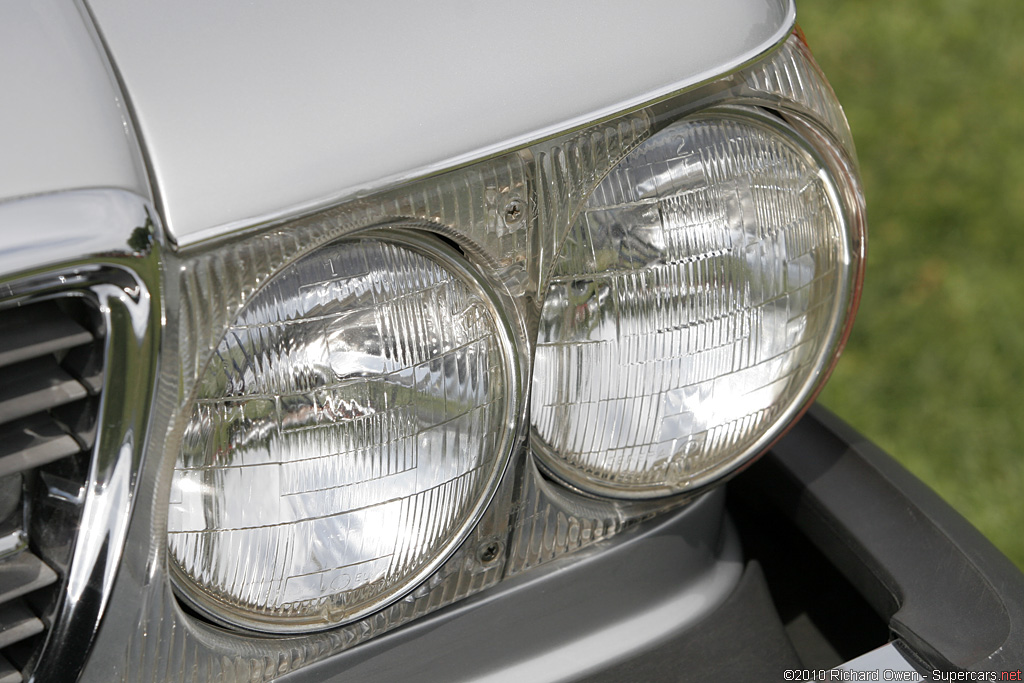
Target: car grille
51, 369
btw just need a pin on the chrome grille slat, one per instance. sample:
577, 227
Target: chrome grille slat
18, 622
8, 674
38, 331
23, 574
34, 386
32, 442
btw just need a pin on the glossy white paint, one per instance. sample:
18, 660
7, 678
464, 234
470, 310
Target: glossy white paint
251, 114
62, 121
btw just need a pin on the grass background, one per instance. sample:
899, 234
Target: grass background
934, 370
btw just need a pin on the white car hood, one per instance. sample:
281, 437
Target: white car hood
251, 113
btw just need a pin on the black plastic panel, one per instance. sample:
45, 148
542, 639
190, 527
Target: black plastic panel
943, 588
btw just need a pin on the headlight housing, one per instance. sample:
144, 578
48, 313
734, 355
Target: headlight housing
710, 243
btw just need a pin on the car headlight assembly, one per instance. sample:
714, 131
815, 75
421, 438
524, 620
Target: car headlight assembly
636, 309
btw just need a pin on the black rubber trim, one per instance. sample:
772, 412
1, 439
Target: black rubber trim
945, 590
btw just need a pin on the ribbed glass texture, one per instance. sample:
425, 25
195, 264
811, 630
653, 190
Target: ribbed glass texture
792, 79
691, 308
350, 427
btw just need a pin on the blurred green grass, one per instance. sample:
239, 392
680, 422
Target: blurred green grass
934, 370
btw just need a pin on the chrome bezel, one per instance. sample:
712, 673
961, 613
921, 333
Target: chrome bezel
117, 239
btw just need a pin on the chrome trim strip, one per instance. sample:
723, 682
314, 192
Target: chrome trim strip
119, 235
74, 227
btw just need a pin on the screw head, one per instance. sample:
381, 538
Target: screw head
514, 211
489, 552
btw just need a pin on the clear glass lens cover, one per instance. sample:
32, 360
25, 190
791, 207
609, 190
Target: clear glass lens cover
349, 429
692, 308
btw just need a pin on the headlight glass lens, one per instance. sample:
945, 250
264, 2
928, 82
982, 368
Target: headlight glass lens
349, 429
692, 309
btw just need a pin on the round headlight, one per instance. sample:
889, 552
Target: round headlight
694, 307
348, 432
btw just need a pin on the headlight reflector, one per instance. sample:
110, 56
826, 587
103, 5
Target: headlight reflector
693, 308
346, 435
